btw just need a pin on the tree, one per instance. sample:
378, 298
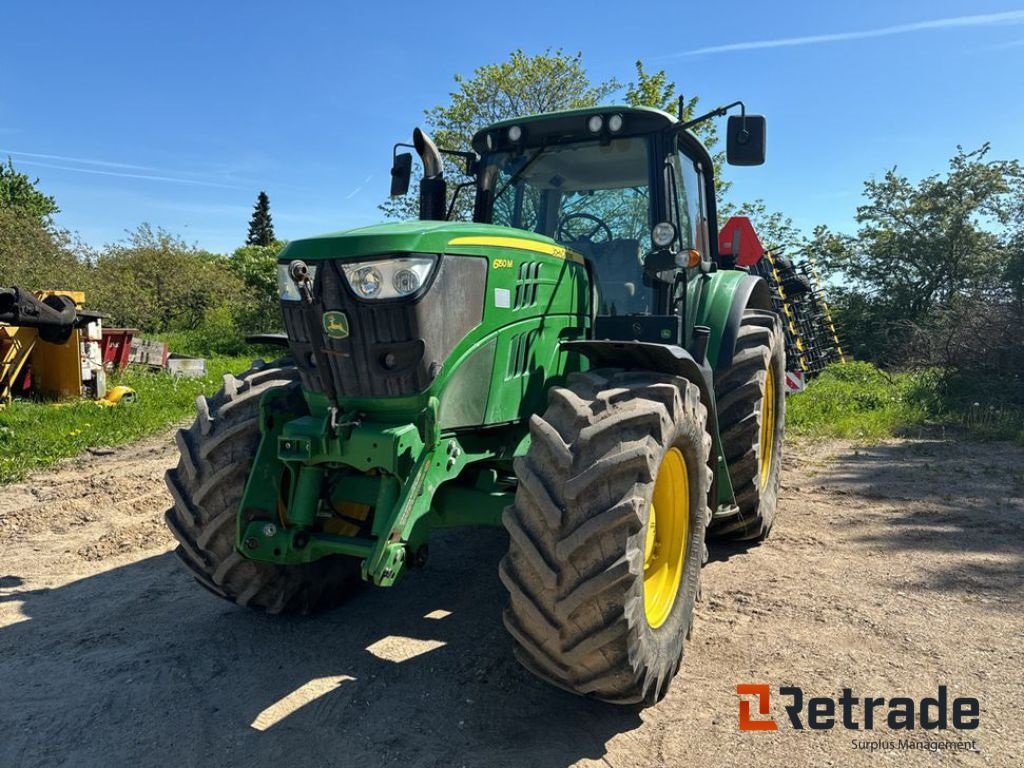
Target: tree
521, 85
19, 193
656, 90
928, 257
261, 228
36, 256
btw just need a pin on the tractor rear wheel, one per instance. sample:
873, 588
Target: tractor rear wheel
607, 534
751, 418
216, 455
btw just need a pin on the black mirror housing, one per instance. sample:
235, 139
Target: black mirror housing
745, 141
401, 173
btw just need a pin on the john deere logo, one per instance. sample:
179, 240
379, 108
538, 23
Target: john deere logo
336, 325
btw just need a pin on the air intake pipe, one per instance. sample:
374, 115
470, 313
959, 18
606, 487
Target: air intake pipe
433, 188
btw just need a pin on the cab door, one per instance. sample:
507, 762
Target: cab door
688, 210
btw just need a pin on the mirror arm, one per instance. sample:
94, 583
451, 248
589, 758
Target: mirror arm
471, 158
719, 112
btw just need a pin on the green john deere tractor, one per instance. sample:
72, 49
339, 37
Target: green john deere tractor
578, 363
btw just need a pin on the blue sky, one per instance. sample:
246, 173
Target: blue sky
178, 113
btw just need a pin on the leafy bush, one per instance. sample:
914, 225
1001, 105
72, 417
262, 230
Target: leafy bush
256, 267
156, 282
207, 342
858, 400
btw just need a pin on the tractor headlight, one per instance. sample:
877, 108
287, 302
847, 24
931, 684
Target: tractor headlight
406, 281
286, 287
663, 234
366, 281
389, 278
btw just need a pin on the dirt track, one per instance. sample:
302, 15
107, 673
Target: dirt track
891, 570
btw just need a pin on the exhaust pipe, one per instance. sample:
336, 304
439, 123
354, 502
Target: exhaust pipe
433, 188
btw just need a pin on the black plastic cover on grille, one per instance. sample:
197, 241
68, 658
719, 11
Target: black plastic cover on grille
395, 347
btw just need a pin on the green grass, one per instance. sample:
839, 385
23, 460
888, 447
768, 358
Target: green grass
857, 400
37, 434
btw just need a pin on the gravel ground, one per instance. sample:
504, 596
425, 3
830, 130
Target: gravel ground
892, 569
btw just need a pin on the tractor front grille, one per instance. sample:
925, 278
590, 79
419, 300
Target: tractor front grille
395, 347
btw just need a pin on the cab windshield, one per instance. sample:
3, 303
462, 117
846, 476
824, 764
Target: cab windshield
592, 197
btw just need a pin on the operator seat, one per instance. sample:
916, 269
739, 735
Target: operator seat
620, 286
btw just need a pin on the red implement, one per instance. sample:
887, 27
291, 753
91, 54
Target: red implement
739, 240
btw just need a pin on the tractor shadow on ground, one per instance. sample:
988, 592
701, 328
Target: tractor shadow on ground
140, 666
962, 499
723, 550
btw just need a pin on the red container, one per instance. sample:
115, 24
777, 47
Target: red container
117, 344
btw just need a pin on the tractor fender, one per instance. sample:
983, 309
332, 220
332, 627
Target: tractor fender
648, 356
665, 358
725, 295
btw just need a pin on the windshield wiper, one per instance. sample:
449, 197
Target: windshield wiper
516, 176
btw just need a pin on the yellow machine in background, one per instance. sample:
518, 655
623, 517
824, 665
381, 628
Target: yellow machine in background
51, 335
16, 344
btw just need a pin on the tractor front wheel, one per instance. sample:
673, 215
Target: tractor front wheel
607, 534
216, 455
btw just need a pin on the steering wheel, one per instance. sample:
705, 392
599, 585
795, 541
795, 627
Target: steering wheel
566, 235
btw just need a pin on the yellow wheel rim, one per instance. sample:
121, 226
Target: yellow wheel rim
767, 428
668, 532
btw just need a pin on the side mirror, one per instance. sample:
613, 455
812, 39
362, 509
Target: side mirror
745, 142
401, 172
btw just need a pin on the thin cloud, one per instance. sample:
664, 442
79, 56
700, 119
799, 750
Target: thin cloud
956, 22
158, 174
353, 193
79, 160
124, 175
1004, 46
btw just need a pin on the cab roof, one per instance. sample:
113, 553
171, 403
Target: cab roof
551, 127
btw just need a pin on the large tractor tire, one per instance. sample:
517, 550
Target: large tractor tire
751, 396
216, 455
607, 534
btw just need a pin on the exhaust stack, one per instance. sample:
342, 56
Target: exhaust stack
433, 188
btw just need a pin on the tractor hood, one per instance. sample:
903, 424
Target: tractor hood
402, 346
409, 237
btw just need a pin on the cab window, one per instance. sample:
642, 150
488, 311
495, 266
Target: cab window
689, 204
593, 197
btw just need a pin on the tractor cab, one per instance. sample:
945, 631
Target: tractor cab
629, 189
599, 183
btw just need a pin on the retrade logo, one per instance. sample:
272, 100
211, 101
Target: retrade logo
763, 696
822, 713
